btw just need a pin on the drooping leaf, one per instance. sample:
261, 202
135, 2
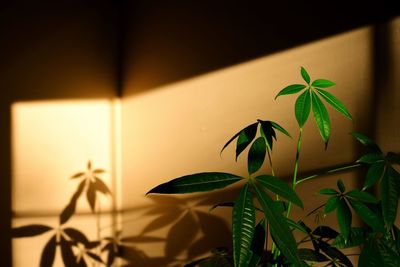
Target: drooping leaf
243, 226
302, 108
325, 232
99, 185
258, 243
390, 192
358, 236
279, 228
223, 204
244, 139
361, 196
249, 131
321, 117
77, 235
312, 255
67, 254
276, 126
334, 253
343, 215
335, 103
279, 187
371, 158
366, 141
256, 155
291, 89
30, 230
322, 83
200, 182
294, 225
367, 215
305, 75
374, 174
328, 191
69, 210
91, 196
49, 253
341, 186
94, 256
331, 204
268, 132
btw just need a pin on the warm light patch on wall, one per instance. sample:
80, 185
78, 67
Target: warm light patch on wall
51, 141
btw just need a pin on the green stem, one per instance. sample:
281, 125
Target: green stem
338, 169
296, 166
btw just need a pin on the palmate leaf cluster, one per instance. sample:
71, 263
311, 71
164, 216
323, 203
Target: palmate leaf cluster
380, 236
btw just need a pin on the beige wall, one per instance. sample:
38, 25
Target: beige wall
179, 128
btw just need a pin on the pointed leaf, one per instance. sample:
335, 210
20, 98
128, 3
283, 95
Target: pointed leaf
256, 155
291, 89
325, 232
200, 182
77, 175
321, 117
97, 171
279, 187
223, 204
279, 228
312, 255
30, 230
280, 128
334, 102
245, 138
249, 131
367, 215
305, 75
390, 192
99, 185
328, 191
77, 235
334, 253
343, 215
331, 204
67, 254
294, 225
322, 83
258, 243
371, 158
358, 236
49, 253
374, 174
267, 132
366, 142
361, 196
302, 108
370, 256
94, 256
68, 211
91, 196
341, 186
243, 226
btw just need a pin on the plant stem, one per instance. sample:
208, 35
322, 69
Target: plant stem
338, 169
296, 166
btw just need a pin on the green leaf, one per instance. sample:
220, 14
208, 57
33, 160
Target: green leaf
322, 83
246, 135
334, 102
343, 215
371, 158
367, 215
390, 192
279, 228
279, 187
334, 253
328, 191
341, 186
390, 256
291, 89
267, 132
302, 108
361, 196
305, 75
30, 230
199, 182
325, 232
375, 172
312, 255
243, 226
256, 155
294, 225
393, 158
49, 253
370, 256
280, 128
358, 236
321, 117
258, 243
331, 204
366, 142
